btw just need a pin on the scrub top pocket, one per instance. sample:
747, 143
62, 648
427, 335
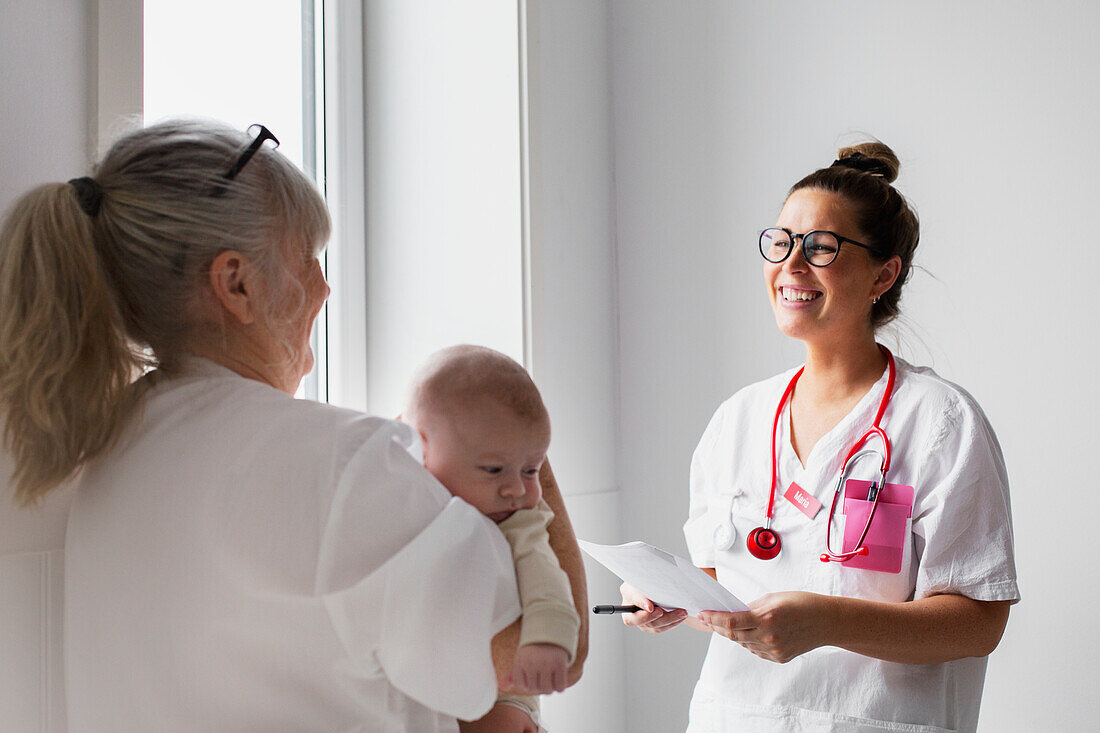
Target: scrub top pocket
888, 531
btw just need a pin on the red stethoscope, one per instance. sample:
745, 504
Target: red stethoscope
764, 543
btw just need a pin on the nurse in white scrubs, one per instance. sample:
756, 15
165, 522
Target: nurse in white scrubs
846, 644
235, 559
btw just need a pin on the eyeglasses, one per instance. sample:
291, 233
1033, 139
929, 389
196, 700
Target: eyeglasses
262, 134
819, 247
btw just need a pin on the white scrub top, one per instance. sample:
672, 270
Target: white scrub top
959, 541
32, 541
245, 561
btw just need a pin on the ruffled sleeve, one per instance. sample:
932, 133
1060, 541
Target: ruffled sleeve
416, 583
428, 615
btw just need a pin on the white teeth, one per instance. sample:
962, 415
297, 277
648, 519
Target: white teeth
796, 295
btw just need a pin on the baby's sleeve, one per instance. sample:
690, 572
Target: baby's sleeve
549, 616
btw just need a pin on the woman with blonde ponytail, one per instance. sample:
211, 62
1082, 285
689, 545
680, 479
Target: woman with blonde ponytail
235, 559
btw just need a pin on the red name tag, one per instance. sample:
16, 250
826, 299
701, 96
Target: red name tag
805, 503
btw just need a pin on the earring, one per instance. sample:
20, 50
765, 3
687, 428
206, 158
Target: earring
874, 300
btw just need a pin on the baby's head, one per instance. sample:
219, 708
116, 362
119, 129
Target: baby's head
484, 428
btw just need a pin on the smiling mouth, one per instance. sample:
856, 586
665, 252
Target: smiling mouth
794, 295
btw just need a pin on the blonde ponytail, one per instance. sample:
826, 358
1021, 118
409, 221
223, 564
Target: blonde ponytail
65, 361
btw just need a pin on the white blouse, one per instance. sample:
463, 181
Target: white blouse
244, 561
958, 540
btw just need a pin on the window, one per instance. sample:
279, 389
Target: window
427, 91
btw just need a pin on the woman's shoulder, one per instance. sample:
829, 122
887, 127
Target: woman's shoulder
320, 428
949, 410
218, 398
925, 386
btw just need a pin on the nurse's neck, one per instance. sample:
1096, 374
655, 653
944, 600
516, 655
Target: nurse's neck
837, 370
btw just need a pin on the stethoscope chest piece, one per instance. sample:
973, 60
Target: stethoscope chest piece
764, 543
724, 535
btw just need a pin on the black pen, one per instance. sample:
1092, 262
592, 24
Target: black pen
615, 609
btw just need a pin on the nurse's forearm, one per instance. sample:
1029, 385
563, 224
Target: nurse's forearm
504, 653
927, 631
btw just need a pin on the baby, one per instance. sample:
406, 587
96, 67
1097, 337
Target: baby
485, 433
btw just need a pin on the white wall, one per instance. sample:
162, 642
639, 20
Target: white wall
444, 255
45, 97
992, 107
571, 306
46, 109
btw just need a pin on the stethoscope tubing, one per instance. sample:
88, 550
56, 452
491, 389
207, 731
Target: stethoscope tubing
876, 430
775, 429
859, 548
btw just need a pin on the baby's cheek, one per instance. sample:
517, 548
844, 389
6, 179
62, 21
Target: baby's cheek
534, 496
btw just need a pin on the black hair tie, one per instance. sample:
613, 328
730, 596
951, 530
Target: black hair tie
860, 162
89, 194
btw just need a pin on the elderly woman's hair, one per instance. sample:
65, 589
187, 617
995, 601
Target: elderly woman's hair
862, 174
105, 277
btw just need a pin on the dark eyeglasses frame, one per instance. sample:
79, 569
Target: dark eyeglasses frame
262, 136
802, 245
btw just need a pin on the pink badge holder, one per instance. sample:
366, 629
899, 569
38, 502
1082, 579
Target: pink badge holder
885, 541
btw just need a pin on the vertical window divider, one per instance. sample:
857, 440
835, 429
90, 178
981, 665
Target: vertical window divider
116, 76
524, 186
342, 124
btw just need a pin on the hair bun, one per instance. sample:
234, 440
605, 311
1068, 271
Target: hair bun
871, 157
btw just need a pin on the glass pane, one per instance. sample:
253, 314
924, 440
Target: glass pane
240, 62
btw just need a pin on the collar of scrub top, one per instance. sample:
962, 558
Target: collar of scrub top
763, 542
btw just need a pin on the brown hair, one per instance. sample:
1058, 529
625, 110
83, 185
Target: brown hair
94, 290
862, 174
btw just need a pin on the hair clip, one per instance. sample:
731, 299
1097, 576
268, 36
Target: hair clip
860, 162
88, 194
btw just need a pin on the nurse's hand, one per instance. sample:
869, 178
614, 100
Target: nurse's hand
651, 618
777, 626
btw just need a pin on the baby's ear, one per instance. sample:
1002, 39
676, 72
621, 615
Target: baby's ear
423, 445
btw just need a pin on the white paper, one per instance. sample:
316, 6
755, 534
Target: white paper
666, 579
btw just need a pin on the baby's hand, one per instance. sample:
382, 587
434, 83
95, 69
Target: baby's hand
539, 669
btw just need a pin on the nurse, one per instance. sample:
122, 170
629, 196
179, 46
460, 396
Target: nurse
235, 559
839, 638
